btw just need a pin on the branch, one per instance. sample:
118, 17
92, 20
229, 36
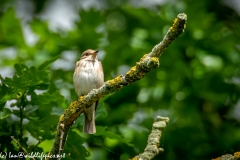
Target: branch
147, 63
152, 149
24, 150
236, 156
61, 138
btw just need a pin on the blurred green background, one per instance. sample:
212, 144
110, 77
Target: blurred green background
197, 84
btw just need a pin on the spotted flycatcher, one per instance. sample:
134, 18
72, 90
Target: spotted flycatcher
88, 75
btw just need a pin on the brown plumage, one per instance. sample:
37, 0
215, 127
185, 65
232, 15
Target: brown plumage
88, 75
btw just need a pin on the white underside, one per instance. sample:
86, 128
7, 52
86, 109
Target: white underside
88, 78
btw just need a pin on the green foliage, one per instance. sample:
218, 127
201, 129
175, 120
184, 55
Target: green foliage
196, 86
46, 64
26, 104
10, 31
75, 147
102, 132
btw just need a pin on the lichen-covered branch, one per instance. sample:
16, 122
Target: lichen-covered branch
147, 63
236, 156
174, 31
152, 149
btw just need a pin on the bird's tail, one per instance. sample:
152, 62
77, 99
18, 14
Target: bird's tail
89, 123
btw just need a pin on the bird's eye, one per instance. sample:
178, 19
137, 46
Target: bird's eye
87, 54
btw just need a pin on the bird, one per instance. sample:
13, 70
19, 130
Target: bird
88, 75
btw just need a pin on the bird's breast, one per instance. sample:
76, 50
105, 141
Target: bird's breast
88, 77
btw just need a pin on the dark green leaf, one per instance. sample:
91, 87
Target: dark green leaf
6, 93
46, 98
74, 146
5, 134
46, 64
101, 110
20, 68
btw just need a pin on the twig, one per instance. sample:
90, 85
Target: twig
24, 150
147, 63
21, 117
61, 139
152, 149
21, 123
173, 32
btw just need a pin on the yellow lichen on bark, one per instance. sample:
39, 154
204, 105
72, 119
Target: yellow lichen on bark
175, 21
61, 118
81, 98
155, 60
131, 72
115, 81
144, 57
73, 106
118, 79
237, 155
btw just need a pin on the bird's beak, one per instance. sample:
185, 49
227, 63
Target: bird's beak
95, 53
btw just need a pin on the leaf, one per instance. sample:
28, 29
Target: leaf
74, 146
10, 29
46, 98
102, 132
58, 111
105, 98
16, 146
20, 68
5, 134
101, 111
33, 118
46, 145
6, 93
30, 109
39, 27
3, 115
26, 78
46, 64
